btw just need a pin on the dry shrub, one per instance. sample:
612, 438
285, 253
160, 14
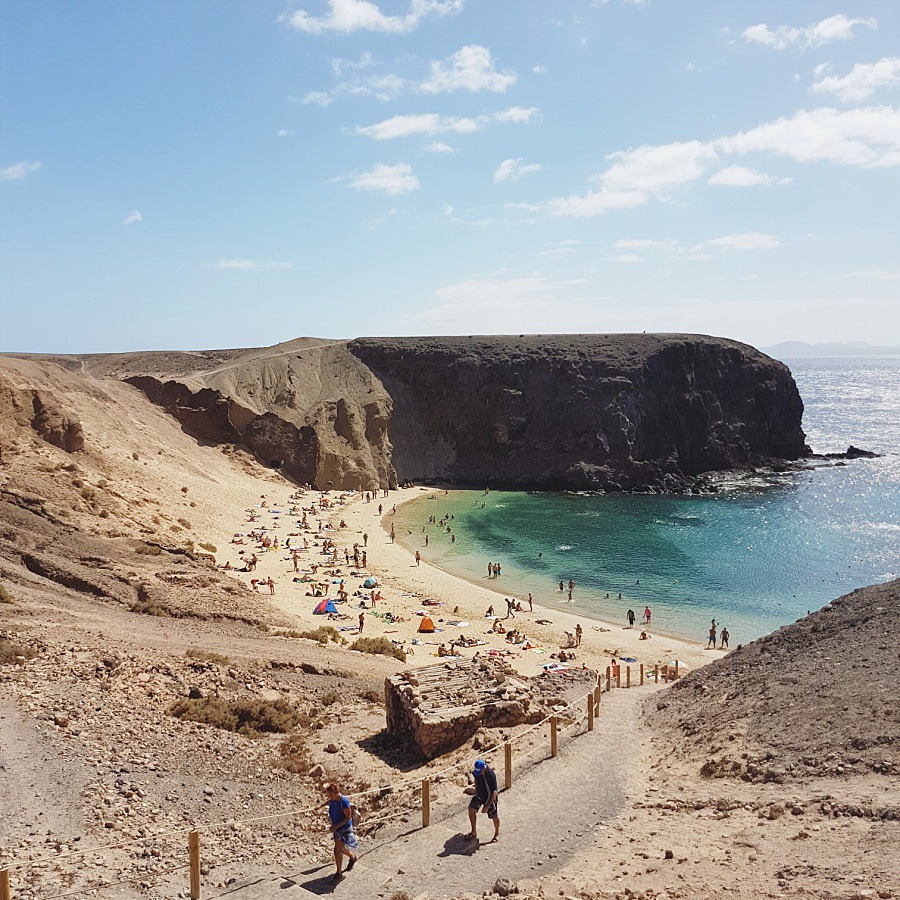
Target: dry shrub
294, 754
5, 596
149, 608
210, 548
10, 652
381, 646
148, 549
330, 698
248, 716
323, 634
372, 696
184, 523
217, 658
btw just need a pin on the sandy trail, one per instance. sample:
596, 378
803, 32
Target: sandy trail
554, 811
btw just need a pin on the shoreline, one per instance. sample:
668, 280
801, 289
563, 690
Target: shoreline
404, 585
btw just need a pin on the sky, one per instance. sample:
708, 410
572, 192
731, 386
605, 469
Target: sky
197, 174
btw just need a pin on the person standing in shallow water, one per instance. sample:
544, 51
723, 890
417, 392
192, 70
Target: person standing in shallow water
723, 637
630, 616
341, 816
711, 641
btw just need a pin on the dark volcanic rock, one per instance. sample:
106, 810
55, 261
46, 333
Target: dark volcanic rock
612, 412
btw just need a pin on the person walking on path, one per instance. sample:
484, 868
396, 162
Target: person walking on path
485, 798
341, 815
362, 622
723, 638
630, 616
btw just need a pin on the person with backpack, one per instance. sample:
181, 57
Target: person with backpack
340, 812
485, 798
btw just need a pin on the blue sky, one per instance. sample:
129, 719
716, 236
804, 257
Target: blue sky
204, 174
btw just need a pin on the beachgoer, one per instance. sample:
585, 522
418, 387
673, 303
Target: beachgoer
486, 794
362, 622
578, 634
365, 539
646, 615
571, 585
341, 814
418, 555
711, 641
630, 617
490, 569
724, 638
426, 540
562, 586
271, 585
530, 604
644, 636
509, 608
490, 611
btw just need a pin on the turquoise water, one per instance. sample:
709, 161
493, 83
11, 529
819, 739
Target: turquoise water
754, 557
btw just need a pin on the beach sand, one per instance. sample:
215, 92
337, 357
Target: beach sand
404, 585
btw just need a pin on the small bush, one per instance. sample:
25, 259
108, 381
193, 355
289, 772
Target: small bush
330, 698
5, 596
381, 646
250, 717
217, 658
372, 696
184, 523
210, 548
10, 652
149, 608
295, 756
323, 634
148, 549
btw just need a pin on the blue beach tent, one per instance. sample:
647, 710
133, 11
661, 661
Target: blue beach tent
324, 606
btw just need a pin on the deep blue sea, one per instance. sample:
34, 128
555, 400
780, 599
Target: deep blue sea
755, 557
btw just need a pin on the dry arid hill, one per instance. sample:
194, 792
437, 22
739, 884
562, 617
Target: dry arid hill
612, 412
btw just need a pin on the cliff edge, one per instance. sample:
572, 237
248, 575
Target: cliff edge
596, 412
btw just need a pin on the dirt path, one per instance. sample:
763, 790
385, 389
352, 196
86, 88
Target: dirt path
555, 810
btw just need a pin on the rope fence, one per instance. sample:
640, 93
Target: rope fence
588, 714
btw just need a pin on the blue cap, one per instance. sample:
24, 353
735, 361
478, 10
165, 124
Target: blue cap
479, 766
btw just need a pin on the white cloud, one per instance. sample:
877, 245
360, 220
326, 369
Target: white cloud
245, 265
347, 16
132, 218
317, 98
398, 179
539, 70
19, 170
750, 240
284, 132
868, 137
645, 244
469, 69
433, 123
339, 66
514, 169
655, 170
627, 258
562, 248
862, 81
835, 28
741, 176
447, 209
440, 147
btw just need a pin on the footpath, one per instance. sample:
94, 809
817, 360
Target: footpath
553, 811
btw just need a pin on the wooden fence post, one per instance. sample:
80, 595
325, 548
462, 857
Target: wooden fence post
590, 711
676, 669
608, 679
628, 676
665, 671
553, 741
642, 674
656, 674
426, 802
597, 695
507, 764
618, 675
4, 885
194, 854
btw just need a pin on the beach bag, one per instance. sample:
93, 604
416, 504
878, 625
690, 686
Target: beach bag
355, 815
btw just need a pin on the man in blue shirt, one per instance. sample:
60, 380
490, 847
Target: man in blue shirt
485, 798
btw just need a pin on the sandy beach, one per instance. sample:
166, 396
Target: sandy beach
404, 586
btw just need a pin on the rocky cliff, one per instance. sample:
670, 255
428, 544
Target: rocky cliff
611, 412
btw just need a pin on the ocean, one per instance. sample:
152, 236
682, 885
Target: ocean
756, 556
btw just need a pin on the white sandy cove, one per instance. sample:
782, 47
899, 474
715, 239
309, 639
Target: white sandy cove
404, 585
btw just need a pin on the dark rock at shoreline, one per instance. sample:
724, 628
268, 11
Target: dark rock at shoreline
850, 453
630, 412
